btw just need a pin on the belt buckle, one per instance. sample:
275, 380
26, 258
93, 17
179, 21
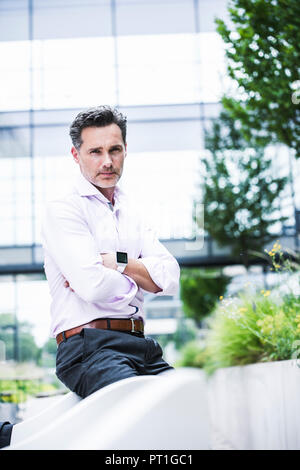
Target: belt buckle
132, 326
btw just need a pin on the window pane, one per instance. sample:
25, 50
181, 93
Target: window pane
74, 73
14, 142
14, 75
52, 177
211, 70
71, 18
13, 20
15, 201
177, 68
165, 197
155, 16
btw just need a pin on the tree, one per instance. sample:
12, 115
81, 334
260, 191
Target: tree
28, 350
48, 353
200, 290
263, 54
184, 333
240, 194
50, 347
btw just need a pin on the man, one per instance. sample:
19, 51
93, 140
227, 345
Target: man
5, 433
99, 258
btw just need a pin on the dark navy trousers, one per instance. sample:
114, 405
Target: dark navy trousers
5, 433
95, 358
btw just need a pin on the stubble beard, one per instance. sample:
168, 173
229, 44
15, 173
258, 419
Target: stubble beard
106, 183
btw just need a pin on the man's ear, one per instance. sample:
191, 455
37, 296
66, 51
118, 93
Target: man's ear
74, 152
125, 150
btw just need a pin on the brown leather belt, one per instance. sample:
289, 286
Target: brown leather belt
121, 324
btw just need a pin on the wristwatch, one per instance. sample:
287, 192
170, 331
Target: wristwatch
122, 260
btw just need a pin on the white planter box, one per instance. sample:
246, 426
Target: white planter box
256, 406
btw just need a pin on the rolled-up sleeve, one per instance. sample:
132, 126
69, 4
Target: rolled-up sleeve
162, 267
67, 238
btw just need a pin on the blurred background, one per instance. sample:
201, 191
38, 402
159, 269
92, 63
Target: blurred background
213, 123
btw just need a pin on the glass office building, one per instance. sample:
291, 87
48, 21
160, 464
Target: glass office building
160, 61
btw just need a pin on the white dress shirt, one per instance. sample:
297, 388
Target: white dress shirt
75, 230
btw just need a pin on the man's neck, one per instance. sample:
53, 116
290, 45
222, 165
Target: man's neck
108, 193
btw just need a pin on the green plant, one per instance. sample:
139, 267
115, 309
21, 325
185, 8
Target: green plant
200, 290
253, 328
193, 354
249, 328
19, 390
283, 263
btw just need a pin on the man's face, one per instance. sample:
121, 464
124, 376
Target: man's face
101, 155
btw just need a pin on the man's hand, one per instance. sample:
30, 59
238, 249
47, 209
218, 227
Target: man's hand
109, 260
67, 284
134, 269
138, 272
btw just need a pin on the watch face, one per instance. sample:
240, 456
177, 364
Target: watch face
122, 257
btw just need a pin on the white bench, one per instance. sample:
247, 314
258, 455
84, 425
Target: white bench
169, 414
168, 411
57, 428
32, 425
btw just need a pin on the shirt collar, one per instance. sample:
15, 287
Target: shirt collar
85, 188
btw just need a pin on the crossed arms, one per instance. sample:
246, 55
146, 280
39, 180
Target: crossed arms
137, 271
68, 240
134, 269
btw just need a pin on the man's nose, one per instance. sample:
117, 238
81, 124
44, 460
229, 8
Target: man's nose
107, 161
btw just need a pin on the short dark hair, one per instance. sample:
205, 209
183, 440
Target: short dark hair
98, 116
